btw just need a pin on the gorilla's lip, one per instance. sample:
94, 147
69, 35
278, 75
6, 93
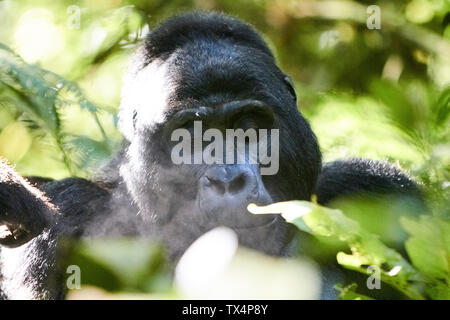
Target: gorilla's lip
264, 225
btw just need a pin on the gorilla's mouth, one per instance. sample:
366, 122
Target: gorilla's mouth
256, 226
253, 225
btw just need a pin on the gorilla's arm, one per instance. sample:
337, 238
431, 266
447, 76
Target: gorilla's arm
355, 176
24, 210
34, 214
28, 206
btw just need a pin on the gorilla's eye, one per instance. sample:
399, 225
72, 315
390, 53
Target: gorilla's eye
182, 120
186, 123
185, 119
253, 118
252, 121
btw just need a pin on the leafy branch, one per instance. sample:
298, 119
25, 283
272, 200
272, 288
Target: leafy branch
367, 249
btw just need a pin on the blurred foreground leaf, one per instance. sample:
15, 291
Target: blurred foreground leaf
215, 267
131, 265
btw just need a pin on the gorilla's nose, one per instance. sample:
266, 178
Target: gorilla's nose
226, 190
229, 179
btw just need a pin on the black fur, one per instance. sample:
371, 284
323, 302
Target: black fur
354, 176
24, 210
211, 61
182, 30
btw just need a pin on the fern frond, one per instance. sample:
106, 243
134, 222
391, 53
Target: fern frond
41, 96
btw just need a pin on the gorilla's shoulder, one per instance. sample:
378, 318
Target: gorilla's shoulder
184, 28
355, 176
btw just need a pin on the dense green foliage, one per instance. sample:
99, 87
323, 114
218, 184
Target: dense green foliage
376, 93
428, 248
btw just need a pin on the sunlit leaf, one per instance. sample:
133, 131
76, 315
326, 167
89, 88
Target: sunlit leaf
366, 248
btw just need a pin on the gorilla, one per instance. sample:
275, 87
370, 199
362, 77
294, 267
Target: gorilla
198, 66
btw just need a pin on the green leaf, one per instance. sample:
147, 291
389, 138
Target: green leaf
89, 153
429, 245
349, 293
442, 107
439, 291
365, 248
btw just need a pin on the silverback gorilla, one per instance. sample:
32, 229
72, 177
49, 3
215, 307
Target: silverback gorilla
196, 66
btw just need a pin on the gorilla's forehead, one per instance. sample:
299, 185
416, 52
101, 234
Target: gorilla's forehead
201, 73
206, 70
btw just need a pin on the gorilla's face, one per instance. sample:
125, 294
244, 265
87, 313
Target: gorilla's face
220, 85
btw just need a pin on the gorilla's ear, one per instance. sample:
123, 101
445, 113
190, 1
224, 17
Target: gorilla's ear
290, 85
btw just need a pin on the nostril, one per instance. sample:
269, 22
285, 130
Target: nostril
237, 184
217, 186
